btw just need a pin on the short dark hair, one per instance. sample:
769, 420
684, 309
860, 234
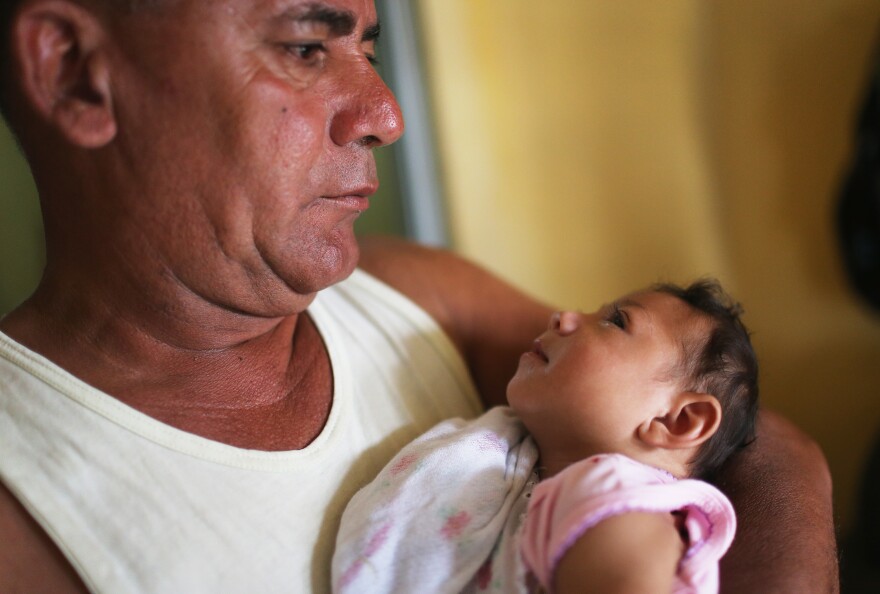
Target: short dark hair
723, 365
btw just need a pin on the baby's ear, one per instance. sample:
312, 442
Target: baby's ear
692, 419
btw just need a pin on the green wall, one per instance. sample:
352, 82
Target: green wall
21, 227
385, 215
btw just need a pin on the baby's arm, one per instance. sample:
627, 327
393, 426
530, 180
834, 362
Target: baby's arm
631, 553
608, 521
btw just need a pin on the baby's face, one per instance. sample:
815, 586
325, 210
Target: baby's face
592, 379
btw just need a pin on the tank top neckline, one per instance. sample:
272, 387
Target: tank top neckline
151, 429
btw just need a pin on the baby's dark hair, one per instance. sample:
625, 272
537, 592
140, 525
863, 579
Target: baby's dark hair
723, 365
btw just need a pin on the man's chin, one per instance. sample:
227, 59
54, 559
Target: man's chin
333, 264
346, 254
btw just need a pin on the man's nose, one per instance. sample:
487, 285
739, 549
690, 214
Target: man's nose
368, 113
564, 322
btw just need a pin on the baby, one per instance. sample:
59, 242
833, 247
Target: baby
574, 487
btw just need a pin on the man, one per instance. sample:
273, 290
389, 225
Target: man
180, 409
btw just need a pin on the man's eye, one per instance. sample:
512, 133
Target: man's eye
307, 52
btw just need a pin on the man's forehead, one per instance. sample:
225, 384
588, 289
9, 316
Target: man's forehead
338, 18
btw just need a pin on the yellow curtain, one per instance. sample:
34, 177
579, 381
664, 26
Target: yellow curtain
592, 147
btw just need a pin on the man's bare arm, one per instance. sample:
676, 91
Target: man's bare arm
29, 560
781, 489
491, 322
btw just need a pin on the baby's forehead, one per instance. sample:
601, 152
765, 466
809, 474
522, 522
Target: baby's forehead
667, 308
683, 324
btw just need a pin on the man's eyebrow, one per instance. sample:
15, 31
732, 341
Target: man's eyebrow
340, 22
371, 33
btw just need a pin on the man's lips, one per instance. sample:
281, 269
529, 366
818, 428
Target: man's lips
351, 201
355, 198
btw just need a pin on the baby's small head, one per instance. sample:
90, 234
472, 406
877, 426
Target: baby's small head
667, 376
723, 364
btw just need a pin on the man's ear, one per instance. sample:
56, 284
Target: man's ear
58, 55
692, 419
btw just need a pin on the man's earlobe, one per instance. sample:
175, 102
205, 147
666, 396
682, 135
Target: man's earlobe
63, 73
693, 419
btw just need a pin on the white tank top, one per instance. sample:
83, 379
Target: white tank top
139, 506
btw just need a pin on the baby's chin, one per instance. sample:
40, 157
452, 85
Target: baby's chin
518, 399
523, 414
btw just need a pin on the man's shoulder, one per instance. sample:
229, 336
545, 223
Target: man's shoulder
407, 266
29, 560
431, 277
489, 320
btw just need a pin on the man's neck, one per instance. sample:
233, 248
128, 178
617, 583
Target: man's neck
199, 367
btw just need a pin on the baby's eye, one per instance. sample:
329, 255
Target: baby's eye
618, 318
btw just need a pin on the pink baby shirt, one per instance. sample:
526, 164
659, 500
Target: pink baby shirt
460, 510
568, 504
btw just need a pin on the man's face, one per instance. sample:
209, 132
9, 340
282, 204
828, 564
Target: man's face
592, 379
246, 131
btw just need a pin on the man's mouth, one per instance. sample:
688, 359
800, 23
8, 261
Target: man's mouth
350, 201
355, 197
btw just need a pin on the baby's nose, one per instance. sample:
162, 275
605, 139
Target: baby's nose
564, 322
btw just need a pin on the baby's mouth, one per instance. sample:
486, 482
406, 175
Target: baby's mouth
538, 349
